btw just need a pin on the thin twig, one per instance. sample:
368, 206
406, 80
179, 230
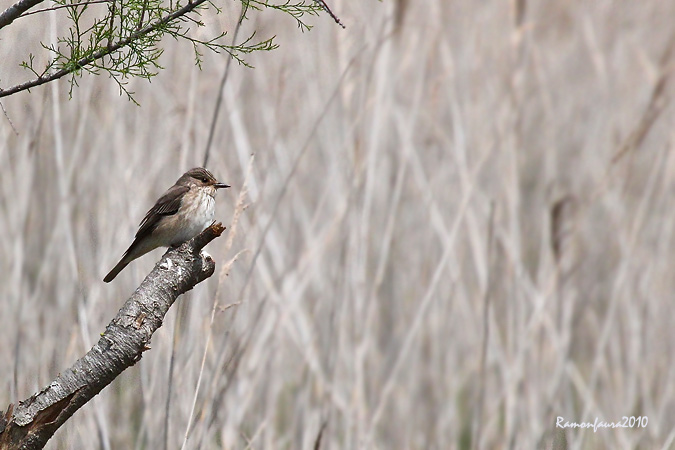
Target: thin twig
140, 21
330, 13
486, 329
219, 99
228, 306
54, 8
167, 407
658, 100
4, 111
317, 441
112, 24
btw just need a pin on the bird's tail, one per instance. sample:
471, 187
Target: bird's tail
117, 269
137, 249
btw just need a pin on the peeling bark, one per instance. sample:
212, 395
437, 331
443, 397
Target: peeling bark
32, 422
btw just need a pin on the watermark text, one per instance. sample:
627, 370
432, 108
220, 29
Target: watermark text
625, 422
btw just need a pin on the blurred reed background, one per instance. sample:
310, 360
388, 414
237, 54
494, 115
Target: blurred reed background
459, 227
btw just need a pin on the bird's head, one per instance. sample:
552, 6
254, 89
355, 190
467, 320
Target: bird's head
200, 177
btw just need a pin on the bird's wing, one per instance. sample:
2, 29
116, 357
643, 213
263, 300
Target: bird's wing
167, 205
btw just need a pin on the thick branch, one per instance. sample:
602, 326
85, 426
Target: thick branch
104, 51
31, 423
16, 10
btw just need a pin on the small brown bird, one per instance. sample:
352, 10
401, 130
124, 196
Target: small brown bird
184, 211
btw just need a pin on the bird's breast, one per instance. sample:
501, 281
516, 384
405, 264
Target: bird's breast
196, 212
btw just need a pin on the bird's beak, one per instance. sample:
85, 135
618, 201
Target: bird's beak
221, 185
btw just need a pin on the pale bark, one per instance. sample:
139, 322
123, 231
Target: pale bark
30, 423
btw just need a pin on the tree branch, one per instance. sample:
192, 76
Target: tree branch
16, 10
190, 6
69, 5
31, 423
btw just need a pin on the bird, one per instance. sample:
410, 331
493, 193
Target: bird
186, 209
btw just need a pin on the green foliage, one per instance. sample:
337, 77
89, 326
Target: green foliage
123, 37
296, 10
